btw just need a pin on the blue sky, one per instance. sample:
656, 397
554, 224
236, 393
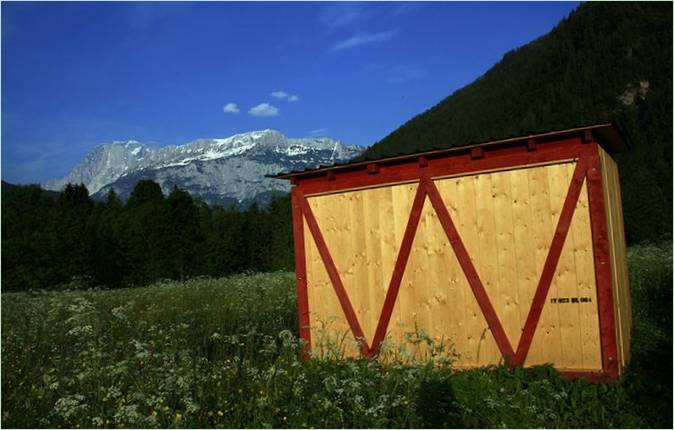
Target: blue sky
75, 75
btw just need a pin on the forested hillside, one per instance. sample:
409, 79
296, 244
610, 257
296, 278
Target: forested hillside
605, 62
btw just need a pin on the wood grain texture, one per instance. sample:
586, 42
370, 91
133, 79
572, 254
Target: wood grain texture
362, 233
506, 220
559, 336
329, 328
618, 256
585, 277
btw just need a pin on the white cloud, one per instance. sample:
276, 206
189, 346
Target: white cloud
263, 109
279, 94
364, 39
318, 131
231, 108
283, 95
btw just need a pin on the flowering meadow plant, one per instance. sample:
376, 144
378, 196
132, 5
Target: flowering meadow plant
225, 353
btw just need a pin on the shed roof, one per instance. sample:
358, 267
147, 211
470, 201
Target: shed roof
609, 135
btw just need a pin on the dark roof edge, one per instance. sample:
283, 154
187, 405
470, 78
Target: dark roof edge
610, 135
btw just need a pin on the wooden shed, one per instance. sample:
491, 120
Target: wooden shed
511, 250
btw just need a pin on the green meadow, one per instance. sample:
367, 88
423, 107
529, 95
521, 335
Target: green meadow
225, 353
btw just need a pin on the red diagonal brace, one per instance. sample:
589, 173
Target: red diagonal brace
343, 297
399, 268
551, 261
427, 187
471, 274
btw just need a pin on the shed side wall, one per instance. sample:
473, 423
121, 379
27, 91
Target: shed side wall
618, 255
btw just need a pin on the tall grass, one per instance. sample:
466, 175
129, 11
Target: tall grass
225, 353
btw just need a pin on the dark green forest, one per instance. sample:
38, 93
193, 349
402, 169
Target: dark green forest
74, 242
604, 62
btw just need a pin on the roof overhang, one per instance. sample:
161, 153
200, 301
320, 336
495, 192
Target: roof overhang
609, 135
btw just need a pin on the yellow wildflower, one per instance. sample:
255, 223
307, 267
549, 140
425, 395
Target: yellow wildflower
220, 413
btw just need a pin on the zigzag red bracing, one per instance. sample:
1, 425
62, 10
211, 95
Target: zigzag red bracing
427, 188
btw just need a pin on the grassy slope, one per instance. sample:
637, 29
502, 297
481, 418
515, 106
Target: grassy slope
224, 353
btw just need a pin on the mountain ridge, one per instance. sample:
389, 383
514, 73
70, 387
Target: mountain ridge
223, 171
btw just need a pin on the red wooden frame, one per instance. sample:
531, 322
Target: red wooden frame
563, 224
301, 273
602, 268
580, 149
399, 268
471, 273
333, 274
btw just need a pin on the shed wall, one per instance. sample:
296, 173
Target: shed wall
618, 255
506, 220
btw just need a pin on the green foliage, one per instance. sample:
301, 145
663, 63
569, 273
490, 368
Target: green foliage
651, 285
146, 191
439, 407
183, 234
28, 250
604, 62
48, 245
224, 353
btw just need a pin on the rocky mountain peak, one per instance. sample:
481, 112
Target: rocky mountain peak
219, 170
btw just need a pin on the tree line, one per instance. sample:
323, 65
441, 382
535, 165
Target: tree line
73, 241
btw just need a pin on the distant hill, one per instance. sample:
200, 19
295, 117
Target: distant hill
606, 61
6, 186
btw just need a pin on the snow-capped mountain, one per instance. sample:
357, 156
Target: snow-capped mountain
220, 171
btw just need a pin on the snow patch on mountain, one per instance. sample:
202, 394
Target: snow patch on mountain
218, 170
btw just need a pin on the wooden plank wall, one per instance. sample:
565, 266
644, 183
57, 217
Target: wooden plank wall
618, 254
363, 231
506, 220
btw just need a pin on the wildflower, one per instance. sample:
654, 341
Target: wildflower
154, 413
220, 413
178, 416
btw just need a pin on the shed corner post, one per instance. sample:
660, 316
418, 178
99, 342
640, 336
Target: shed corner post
300, 272
602, 266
